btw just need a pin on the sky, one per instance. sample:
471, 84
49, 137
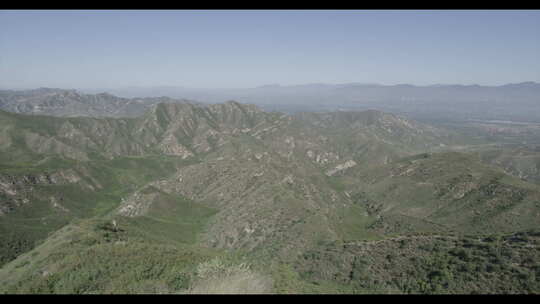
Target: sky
241, 49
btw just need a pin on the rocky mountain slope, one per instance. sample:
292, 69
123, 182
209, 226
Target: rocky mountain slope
238, 191
70, 103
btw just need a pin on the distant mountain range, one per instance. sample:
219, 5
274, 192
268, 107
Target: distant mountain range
69, 103
519, 101
515, 102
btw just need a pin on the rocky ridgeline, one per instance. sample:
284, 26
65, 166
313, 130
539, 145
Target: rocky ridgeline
185, 129
71, 103
17, 190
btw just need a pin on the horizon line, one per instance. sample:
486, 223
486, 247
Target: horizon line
273, 85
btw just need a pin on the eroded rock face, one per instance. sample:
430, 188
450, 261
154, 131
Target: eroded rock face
171, 146
136, 204
346, 165
18, 190
56, 204
9, 182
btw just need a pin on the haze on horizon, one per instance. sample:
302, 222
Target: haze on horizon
242, 49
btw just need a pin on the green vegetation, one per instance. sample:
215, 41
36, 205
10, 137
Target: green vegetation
230, 199
95, 257
102, 186
432, 265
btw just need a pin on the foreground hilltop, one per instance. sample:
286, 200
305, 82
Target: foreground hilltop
205, 191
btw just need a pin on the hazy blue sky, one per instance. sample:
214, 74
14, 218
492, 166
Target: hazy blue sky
86, 49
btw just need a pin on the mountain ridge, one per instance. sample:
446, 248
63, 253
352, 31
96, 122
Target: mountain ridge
221, 185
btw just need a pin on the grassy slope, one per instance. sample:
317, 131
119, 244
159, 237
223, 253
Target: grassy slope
91, 257
32, 222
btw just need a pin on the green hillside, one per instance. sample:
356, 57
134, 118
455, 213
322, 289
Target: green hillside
228, 198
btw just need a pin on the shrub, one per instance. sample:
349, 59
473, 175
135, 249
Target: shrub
219, 276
